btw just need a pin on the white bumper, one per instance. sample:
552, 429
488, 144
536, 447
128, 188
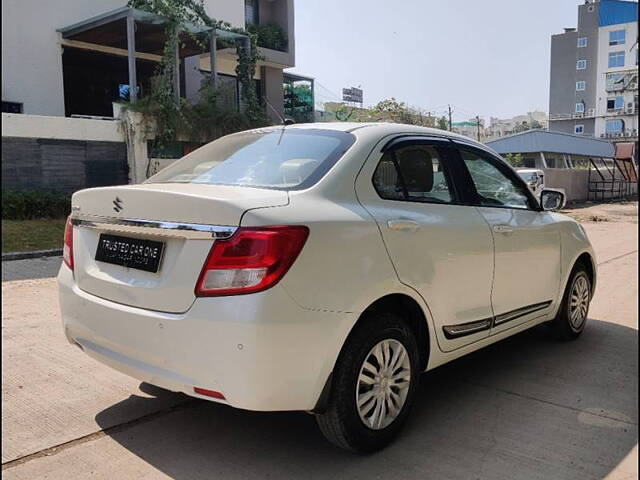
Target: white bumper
261, 351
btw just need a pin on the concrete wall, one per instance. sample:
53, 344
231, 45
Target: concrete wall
63, 154
574, 182
272, 85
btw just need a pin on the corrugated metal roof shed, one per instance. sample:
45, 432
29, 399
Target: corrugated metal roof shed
556, 142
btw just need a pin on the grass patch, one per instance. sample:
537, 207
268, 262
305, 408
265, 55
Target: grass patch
29, 235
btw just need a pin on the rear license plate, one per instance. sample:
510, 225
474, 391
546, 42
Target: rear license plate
130, 252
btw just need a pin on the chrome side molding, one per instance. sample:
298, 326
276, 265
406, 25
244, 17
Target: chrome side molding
463, 329
192, 231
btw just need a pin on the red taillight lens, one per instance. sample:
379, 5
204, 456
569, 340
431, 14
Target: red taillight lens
253, 259
67, 250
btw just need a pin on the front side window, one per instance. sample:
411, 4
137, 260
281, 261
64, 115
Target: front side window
579, 129
580, 107
581, 64
283, 159
413, 173
493, 187
582, 42
616, 59
615, 126
581, 86
617, 37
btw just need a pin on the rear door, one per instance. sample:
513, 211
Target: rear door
527, 240
440, 247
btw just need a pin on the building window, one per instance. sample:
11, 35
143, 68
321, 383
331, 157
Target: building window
617, 37
615, 82
615, 103
579, 129
582, 85
616, 59
615, 126
582, 42
11, 107
581, 64
251, 12
580, 107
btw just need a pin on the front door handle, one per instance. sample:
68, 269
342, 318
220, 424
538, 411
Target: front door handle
403, 224
502, 229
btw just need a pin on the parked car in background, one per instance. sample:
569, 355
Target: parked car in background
319, 267
534, 180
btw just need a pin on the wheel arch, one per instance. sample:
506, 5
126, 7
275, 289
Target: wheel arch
587, 260
410, 310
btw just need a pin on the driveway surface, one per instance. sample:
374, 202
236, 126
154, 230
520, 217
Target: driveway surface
527, 407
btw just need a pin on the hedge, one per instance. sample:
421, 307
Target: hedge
30, 204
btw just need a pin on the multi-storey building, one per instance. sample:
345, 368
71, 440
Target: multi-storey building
501, 127
73, 57
594, 72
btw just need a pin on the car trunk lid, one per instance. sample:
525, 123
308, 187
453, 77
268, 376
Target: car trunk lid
185, 218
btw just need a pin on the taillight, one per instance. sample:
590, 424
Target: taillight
253, 259
67, 250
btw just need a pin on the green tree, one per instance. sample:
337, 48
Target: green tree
515, 160
443, 123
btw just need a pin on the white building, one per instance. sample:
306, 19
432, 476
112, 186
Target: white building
69, 57
594, 72
617, 82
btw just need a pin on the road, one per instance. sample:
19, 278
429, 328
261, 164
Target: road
527, 407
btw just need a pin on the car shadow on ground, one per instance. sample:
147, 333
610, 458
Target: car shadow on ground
527, 407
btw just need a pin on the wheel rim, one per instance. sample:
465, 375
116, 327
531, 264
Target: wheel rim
579, 302
383, 384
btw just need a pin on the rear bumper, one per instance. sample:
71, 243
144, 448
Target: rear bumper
261, 351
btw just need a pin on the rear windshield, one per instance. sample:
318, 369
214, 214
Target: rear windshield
284, 159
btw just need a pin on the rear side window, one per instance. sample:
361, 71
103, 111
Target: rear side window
413, 173
284, 159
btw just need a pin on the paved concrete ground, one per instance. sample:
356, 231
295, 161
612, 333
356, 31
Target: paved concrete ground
527, 407
44, 267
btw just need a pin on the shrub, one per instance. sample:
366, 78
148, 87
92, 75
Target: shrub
270, 36
30, 204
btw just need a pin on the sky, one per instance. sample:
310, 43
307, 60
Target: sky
487, 58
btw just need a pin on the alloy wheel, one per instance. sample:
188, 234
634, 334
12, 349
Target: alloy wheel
579, 302
383, 384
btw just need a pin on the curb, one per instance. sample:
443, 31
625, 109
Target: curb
56, 252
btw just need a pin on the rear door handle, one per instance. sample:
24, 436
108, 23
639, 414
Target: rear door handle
502, 229
403, 224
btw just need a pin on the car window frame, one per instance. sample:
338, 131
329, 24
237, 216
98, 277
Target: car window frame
447, 160
469, 191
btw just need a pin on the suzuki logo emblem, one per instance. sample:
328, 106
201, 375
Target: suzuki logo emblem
117, 205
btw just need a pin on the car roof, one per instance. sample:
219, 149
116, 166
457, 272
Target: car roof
381, 129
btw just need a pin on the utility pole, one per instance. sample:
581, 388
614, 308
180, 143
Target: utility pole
478, 125
450, 124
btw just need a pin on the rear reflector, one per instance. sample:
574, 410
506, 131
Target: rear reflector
252, 260
67, 250
208, 393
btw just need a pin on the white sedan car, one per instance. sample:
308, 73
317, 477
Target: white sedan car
319, 267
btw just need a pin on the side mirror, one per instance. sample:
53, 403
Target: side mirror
552, 200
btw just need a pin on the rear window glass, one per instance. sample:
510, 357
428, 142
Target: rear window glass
284, 159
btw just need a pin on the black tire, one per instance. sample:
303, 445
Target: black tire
562, 327
341, 423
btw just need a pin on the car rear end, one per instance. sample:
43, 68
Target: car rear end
163, 282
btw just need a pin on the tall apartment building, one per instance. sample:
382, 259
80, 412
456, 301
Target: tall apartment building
70, 57
594, 72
